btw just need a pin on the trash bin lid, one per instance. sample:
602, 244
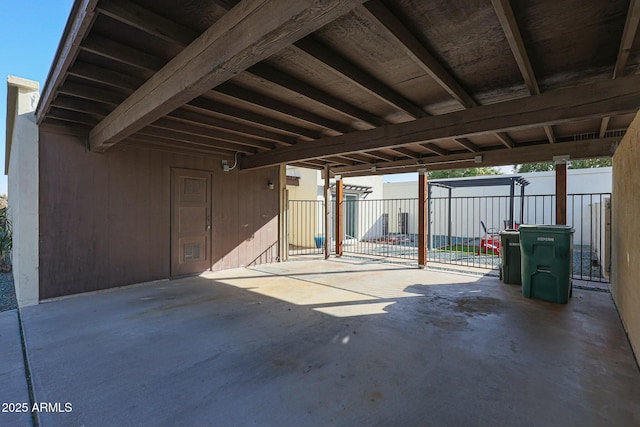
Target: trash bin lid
509, 232
548, 228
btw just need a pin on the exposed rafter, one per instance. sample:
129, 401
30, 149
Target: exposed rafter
210, 106
254, 98
273, 75
357, 75
248, 33
582, 149
514, 38
83, 14
626, 42
505, 139
197, 130
156, 25
434, 149
464, 142
375, 10
554, 107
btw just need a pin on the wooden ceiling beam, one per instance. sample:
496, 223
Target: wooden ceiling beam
238, 92
144, 20
464, 142
583, 149
195, 139
598, 99
121, 53
90, 93
375, 10
273, 75
226, 125
435, 149
141, 141
505, 139
341, 65
249, 33
404, 151
77, 27
516, 43
73, 116
80, 105
170, 124
628, 36
514, 38
380, 156
211, 106
89, 72
626, 43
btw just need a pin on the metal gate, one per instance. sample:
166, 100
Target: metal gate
306, 232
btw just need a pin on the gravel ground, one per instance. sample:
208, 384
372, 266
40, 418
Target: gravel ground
7, 292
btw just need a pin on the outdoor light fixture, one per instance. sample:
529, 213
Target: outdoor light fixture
270, 185
373, 168
477, 159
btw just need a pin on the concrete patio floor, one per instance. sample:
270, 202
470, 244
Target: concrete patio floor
339, 342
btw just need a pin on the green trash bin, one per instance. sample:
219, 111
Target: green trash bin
510, 257
547, 262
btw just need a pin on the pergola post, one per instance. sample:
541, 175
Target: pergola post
521, 204
561, 189
327, 213
423, 207
512, 194
339, 215
449, 222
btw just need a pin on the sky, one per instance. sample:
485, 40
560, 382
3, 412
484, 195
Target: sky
29, 34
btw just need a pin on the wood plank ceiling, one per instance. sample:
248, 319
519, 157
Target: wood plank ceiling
371, 87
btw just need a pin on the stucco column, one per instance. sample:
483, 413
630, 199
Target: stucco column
22, 170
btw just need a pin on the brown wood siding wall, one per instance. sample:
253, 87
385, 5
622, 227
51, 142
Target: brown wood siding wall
105, 218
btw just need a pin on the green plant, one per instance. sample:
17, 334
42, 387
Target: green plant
6, 240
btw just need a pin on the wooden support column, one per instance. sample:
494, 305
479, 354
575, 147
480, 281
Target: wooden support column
283, 223
561, 189
339, 215
327, 214
423, 206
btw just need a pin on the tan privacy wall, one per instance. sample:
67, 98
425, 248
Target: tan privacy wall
625, 244
105, 219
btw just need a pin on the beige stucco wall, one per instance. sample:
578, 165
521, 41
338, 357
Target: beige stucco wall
23, 187
625, 245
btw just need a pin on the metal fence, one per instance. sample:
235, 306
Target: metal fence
462, 231
306, 227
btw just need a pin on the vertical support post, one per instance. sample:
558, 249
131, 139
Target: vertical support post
423, 208
521, 204
449, 223
512, 196
339, 215
327, 214
561, 189
283, 224
429, 238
